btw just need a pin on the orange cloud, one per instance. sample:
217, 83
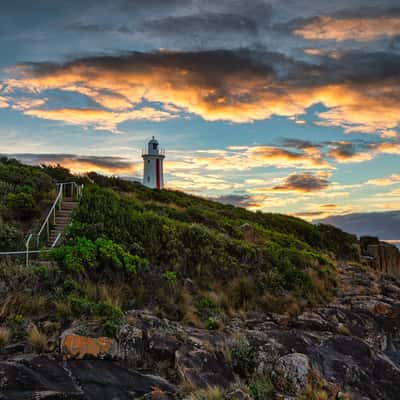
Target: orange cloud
386, 181
214, 86
81, 164
243, 158
359, 29
101, 119
3, 102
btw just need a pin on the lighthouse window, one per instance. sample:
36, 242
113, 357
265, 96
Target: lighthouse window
148, 161
148, 179
154, 146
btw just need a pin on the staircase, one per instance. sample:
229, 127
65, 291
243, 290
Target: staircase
62, 220
59, 216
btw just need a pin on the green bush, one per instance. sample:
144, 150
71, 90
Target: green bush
22, 205
10, 237
261, 389
243, 357
103, 256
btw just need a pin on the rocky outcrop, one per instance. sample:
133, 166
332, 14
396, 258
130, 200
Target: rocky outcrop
385, 257
40, 377
351, 346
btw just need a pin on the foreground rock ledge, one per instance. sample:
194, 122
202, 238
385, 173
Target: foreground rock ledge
352, 345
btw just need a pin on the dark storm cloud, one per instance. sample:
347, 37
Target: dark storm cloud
306, 182
361, 91
203, 24
97, 28
299, 144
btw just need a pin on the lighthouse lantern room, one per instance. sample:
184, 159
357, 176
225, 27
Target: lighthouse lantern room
153, 172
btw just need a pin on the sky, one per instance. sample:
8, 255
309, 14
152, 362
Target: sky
289, 106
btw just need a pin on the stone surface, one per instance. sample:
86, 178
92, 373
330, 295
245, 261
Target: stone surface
352, 344
200, 368
46, 378
80, 347
385, 257
291, 372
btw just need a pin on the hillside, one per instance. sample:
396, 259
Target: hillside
123, 232
137, 262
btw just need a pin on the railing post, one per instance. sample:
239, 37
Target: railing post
27, 254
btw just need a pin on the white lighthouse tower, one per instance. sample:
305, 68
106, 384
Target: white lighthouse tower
153, 173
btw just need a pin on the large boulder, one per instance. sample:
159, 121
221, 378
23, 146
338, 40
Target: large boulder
291, 373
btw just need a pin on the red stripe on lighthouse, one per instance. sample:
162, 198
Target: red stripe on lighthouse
158, 174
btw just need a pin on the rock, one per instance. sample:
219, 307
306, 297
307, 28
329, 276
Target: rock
199, 368
79, 347
45, 378
290, 374
38, 376
103, 380
132, 345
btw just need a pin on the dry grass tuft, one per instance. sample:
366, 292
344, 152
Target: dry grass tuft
211, 393
343, 330
37, 339
5, 336
63, 308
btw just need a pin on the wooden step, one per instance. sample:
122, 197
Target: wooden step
62, 220
65, 212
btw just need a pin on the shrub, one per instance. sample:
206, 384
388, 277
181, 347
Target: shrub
23, 206
261, 389
111, 316
84, 256
212, 324
243, 357
10, 237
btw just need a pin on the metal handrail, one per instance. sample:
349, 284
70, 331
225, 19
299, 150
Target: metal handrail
54, 244
46, 223
76, 192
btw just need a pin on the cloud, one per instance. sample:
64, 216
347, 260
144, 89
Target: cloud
80, 26
81, 164
241, 200
3, 102
361, 93
353, 152
305, 182
350, 28
386, 181
100, 119
195, 182
208, 24
261, 156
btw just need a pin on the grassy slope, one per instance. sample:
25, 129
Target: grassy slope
185, 257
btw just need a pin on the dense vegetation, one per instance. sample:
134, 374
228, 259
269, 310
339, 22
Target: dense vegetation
185, 257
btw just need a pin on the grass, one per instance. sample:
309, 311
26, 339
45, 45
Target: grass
37, 339
5, 336
210, 393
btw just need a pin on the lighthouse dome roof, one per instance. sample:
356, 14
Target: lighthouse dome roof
153, 140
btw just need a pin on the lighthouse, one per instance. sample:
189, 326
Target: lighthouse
153, 172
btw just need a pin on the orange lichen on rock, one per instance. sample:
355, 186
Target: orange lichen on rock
79, 347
